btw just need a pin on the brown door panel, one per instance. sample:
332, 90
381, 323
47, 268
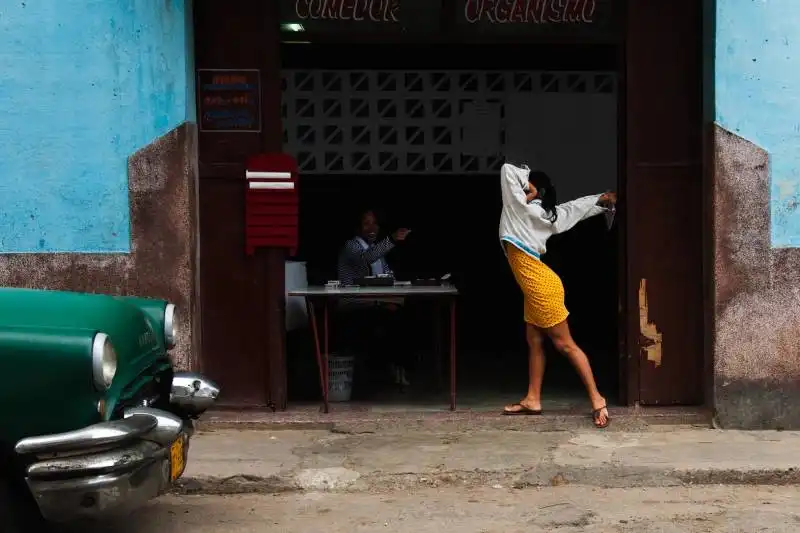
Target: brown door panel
234, 347
663, 201
666, 304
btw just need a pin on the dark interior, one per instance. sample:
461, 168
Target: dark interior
454, 222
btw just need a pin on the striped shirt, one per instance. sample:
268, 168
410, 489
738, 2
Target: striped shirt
355, 262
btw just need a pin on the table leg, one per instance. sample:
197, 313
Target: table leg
438, 334
322, 362
453, 354
326, 351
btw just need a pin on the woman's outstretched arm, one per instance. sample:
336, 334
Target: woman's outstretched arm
570, 213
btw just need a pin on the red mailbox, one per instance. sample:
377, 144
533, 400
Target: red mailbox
271, 203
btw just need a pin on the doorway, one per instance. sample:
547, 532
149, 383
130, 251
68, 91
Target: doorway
656, 60
420, 132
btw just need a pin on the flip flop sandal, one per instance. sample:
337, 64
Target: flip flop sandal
522, 411
596, 416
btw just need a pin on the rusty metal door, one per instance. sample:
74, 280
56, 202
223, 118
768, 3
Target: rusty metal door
664, 201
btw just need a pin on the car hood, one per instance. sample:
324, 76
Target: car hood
129, 328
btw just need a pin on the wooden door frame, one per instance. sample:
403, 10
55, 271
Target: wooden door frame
631, 359
243, 35
628, 365
708, 40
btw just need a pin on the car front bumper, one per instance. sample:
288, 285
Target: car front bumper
110, 467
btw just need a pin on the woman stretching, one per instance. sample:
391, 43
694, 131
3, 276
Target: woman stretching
530, 216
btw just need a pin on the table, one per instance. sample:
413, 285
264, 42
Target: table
327, 294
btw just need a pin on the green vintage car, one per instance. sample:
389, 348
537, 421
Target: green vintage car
94, 420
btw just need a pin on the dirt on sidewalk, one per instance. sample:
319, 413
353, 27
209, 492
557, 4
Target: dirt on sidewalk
231, 461
568, 509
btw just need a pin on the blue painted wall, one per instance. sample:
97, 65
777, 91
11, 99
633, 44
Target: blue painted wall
757, 79
83, 85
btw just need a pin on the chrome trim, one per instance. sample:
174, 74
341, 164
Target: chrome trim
119, 493
94, 481
193, 393
105, 462
94, 436
170, 325
98, 352
168, 426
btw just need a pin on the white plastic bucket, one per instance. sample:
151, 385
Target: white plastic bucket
340, 377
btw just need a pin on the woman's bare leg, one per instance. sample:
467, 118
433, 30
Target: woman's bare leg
562, 340
536, 363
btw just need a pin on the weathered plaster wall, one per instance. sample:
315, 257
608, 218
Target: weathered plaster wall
84, 85
758, 95
98, 151
756, 186
163, 258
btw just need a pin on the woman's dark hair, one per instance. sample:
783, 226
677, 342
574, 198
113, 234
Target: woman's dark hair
546, 192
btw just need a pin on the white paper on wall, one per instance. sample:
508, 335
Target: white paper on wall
296, 278
572, 137
480, 129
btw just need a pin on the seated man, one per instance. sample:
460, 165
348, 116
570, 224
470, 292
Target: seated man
364, 255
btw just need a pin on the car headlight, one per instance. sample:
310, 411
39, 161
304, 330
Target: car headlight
170, 325
104, 362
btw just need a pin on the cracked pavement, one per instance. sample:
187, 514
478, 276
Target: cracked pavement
565, 509
665, 479
231, 461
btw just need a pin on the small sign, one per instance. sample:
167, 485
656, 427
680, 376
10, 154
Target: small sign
229, 100
376, 11
536, 16
360, 16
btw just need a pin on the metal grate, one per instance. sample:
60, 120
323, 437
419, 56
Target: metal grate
406, 122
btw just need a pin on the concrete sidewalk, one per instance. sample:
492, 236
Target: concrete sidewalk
229, 461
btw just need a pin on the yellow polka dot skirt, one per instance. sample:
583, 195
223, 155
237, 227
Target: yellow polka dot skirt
541, 287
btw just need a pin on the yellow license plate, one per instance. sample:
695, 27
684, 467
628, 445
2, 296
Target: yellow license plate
177, 459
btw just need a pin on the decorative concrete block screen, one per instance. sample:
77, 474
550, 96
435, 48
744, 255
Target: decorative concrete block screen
449, 122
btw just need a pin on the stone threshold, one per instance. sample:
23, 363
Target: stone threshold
365, 419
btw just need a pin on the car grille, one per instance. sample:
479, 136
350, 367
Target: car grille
154, 393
